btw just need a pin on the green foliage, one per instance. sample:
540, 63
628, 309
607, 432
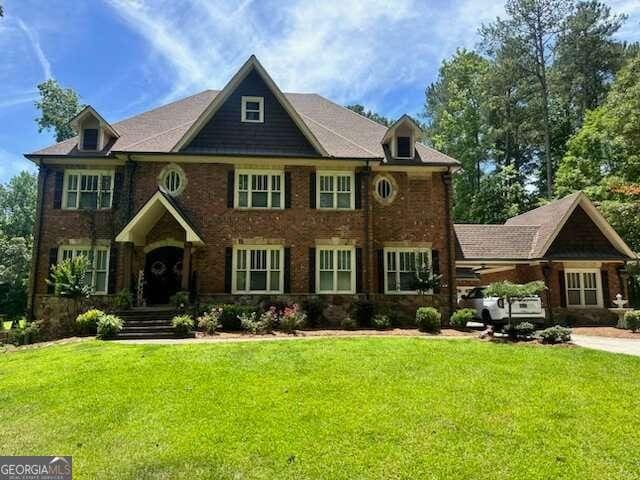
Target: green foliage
123, 299
314, 306
87, 322
381, 322
57, 107
513, 291
519, 330
231, 313
25, 334
68, 278
370, 114
18, 205
348, 323
258, 323
180, 300
209, 322
363, 311
182, 325
460, 318
428, 319
292, 319
15, 264
556, 334
632, 320
500, 197
425, 280
108, 326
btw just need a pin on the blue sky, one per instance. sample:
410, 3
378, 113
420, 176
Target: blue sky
126, 56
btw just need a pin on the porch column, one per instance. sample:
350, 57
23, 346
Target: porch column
128, 260
186, 266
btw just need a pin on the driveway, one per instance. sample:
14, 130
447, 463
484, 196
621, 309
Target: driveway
614, 345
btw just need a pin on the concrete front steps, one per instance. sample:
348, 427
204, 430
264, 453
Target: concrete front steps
146, 323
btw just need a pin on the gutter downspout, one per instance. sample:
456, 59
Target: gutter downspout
368, 231
43, 173
448, 205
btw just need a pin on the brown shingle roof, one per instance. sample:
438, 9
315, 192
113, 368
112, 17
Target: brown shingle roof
507, 242
342, 132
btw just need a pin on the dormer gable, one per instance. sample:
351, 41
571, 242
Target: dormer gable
94, 132
401, 137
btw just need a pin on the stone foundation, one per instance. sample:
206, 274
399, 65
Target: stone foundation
584, 317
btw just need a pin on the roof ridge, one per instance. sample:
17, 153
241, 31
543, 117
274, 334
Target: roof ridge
339, 135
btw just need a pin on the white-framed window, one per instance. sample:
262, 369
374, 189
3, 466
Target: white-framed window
259, 189
335, 190
252, 109
258, 269
400, 267
583, 287
383, 189
90, 139
97, 276
172, 179
87, 189
335, 270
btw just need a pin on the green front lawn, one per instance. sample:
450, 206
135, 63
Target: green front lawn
331, 408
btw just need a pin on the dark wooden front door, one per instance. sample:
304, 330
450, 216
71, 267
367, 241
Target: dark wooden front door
163, 274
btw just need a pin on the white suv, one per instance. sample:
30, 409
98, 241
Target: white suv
494, 310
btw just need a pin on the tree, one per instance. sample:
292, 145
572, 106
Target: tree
15, 262
356, 107
512, 292
18, 205
57, 107
456, 110
1, 11
527, 36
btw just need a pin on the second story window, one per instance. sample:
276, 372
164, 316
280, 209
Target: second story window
252, 110
335, 190
90, 139
88, 189
255, 189
403, 147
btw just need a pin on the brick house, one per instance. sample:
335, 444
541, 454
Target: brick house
246, 191
567, 243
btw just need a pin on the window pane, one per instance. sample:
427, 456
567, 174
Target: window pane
574, 297
242, 199
326, 200
259, 199
243, 182
73, 182
105, 200
89, 200
252, 116
101, 282
258, 280
106, 182
275, 280
344, 281
590, 297
403, 145
407, 280
275, 199
344, 200
90, 139
71, 199
392, 282
252, 106
241, 279
326, 281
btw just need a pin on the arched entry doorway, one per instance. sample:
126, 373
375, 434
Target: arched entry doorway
163, 274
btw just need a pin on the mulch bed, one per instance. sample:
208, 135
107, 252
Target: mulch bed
606, 332
396, 332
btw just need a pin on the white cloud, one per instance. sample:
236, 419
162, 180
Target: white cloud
32, 36
12, 164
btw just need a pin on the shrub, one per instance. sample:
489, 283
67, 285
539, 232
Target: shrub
182, 325
180, 300
428, 319
460, 318
258, 324
313, 307
209, 322
230, 316
381, 322
364, 311
278, 305
348, 323
519, 330
123, 299
25, 334
109, 326
632, 320
292, 319
87, 322
556, 334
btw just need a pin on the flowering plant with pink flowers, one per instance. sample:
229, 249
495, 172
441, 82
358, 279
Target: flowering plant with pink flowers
292, 319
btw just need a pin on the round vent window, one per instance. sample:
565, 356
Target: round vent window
385, 189
172, 180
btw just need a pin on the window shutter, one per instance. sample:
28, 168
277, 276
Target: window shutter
287, 189
228, 261
57, 193
312, 270
563, 290
287, 270
113, 268
381, 270
312, 190
358, 189
53, 259
606, 297
435, 266
118, 182
230, 187
359, 288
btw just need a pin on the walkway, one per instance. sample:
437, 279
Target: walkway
608, 344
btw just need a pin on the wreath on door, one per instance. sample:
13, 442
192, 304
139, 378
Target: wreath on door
158, 268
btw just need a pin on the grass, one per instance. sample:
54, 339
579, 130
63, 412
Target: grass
331, 408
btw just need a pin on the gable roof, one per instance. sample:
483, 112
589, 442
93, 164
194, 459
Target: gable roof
340, 132
89, 110
529, 235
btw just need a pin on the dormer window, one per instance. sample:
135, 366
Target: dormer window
90, 139
252, 110
403, 147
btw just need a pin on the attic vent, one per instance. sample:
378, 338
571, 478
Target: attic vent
90, 139
403, 147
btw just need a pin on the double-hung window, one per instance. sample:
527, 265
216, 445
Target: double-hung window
258, 269
255, 189
88, 189
583, 288
97, 276
335, 270
401, 266
252, 109
336, 190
